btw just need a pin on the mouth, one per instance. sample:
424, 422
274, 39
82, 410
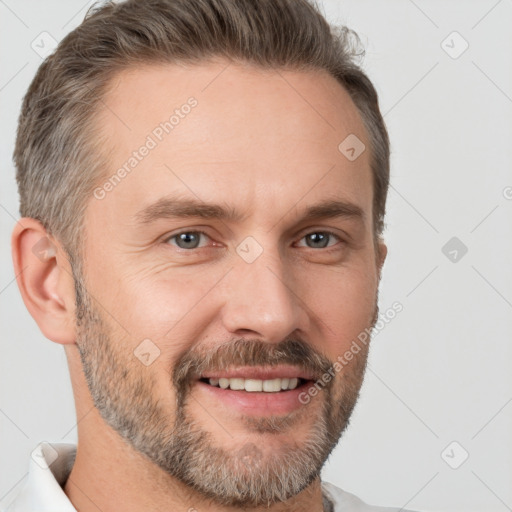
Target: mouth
258, 391
277, 385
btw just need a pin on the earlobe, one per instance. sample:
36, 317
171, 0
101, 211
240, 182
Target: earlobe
45, 281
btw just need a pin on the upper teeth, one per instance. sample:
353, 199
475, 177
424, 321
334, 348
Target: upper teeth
270, 385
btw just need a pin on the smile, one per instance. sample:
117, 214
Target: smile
257, 391
255, 385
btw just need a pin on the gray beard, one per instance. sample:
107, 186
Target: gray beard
240, 476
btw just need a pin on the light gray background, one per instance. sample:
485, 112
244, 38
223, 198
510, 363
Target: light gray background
439, 372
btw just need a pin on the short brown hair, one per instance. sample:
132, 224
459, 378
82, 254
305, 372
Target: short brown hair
58, 149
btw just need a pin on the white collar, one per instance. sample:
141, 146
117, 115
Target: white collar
49, 468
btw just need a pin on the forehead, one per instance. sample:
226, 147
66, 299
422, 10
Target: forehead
233, 132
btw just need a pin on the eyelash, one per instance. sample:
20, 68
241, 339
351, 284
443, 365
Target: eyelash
324, 232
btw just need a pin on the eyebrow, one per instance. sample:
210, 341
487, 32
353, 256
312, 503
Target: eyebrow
169, 207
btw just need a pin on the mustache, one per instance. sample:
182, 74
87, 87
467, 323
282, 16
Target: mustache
246, 352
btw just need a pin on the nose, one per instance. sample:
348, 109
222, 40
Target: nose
262, 300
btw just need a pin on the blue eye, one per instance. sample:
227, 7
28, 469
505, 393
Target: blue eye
319, 239
187, 239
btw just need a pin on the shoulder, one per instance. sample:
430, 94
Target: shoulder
346, 502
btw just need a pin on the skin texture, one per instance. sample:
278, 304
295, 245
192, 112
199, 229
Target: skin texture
263, 143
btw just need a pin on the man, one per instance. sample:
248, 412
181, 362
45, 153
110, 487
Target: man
203, 188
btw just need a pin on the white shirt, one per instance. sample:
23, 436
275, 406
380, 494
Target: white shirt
51, 463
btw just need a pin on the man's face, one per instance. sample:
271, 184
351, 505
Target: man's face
264, 292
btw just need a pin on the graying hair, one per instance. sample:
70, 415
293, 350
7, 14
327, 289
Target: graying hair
58, 152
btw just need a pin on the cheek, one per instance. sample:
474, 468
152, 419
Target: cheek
344, 301
161, 305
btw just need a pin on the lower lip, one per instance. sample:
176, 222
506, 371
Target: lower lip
258, 403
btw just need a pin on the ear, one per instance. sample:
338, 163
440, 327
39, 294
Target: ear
382, 251
45, 280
